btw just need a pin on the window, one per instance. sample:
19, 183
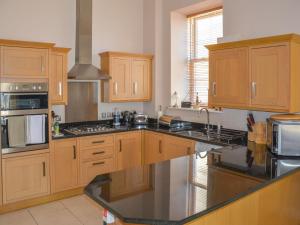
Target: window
203, 29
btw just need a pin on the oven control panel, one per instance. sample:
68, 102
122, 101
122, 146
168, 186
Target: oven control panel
24, 87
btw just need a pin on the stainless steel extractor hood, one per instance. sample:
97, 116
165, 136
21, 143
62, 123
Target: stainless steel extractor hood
83, 68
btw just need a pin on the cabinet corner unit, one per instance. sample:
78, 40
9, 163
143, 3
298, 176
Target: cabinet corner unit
58, 76
131, 77
259, 74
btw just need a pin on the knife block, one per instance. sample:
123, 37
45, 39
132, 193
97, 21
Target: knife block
259, 133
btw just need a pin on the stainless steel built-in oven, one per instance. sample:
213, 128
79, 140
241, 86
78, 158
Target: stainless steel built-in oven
24, 116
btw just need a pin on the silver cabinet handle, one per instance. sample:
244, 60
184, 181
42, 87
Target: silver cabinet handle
60, 88
120, 150
253, 88
115, 88
214, 88
135, 87
44, 169
74, 152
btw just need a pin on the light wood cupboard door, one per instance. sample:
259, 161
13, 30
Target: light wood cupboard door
174, 147
153, 151
229, 78
120, 83
24, 62
140, 79
25, 177
270, 76
64, 165
128, 150
58, 77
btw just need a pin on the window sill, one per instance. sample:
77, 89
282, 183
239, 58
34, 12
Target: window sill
193, 110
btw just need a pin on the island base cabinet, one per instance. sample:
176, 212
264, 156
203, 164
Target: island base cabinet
25, 177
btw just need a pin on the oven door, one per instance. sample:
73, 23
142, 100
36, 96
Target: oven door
17, 103
21, 133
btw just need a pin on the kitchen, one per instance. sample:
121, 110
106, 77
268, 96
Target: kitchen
147, 31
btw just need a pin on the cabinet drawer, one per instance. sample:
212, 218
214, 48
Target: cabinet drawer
99, 140
97, 153
89, 170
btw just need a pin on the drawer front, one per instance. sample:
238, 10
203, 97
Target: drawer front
97, 153
99, 140
89, 170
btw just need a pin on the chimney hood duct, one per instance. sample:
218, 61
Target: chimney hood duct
83, 68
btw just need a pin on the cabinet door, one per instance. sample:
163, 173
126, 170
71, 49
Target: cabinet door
141, 80
229, 78
129, 150
25, 177
269, 71
153, 147
64, 165
58, 78
24, 62
120, 82
174, 147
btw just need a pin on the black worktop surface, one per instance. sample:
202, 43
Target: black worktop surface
186, 188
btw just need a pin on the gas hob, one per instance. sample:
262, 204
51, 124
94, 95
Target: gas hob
89, 129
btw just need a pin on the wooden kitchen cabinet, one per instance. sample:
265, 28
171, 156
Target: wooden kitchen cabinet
24, 62
229, 77
25, 177
128, 150
269, 76
174, 147
64, 165
131, 76
153, 151
257, 74
97, 156
59, 76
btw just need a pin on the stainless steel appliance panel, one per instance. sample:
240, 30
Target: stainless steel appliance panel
83, 100
289, 139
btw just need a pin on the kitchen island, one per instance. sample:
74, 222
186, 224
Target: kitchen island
216, 188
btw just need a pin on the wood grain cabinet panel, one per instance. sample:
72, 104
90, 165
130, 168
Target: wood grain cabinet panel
19, 62
64, 165
229, 79
258, 74
153, 144
174, 147
131, 77
128, 150
59, 76
269, 74
25, 177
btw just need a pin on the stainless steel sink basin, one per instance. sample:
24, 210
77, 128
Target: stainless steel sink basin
192, 133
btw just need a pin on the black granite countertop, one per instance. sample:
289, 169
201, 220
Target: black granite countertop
183, 189
149, 127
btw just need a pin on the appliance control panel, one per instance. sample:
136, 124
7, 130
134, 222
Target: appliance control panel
24, 87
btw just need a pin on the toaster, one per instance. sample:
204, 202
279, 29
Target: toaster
140, 119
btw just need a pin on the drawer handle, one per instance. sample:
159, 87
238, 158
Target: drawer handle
98, 153
98, 142
44, 169
74, 152
98, 163
159, 147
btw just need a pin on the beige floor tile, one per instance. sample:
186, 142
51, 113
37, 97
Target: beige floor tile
53, 214
87, 212
21, 217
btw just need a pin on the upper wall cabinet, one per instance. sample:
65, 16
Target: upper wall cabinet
24, 59
58, 76
260, 74
131, 76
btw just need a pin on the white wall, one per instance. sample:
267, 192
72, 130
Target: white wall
242, 19
117, 26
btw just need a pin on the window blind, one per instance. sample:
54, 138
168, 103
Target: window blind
203, 29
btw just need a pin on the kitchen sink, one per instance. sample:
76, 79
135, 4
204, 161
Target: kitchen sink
192, 133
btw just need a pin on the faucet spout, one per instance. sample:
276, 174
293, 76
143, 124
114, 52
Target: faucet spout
208, 122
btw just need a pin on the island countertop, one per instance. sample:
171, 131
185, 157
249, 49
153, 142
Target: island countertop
180, 190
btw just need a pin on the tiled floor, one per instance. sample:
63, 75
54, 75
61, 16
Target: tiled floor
78, 210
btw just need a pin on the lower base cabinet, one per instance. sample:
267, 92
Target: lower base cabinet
64, 165
25, 177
